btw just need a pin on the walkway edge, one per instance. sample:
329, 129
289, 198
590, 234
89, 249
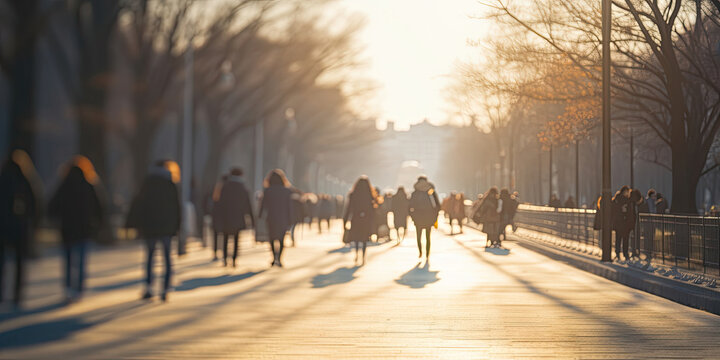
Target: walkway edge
689, 295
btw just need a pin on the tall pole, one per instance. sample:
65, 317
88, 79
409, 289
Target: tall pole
606, 231
632, 159
539, 177
550, 175
186, 141
577, 172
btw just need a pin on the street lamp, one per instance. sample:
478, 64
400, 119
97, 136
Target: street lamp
606, 229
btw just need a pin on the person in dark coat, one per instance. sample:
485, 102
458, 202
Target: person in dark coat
401, 211
570, 203
359, 213
554, 201
424, 209
233, 206
19, 213
77, 206
490, 216
508, 209
623, 220
325, 210
155, 213
456, 210
277, 205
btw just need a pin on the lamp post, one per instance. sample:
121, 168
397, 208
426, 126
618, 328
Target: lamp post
606, 230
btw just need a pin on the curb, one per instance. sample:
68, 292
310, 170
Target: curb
686, 294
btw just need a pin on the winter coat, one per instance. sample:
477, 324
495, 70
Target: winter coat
18, 205
233, 205
622, 214
77, 206
360, 213
401, 209
325, 208
509, 209
277, 205
489, 211
424, 204
155, 211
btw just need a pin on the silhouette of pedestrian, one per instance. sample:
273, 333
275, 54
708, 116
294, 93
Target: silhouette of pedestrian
233, 206
298, 213
359, 213
554, 201
155, 213
77, 206
325, 210
489, 215
19, 213
623, 220
570, 203
456, 210
277, 206
401, 210
217, 226
424, 209
508, 209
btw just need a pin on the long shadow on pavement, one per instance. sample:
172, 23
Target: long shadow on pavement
44, 332
339, 276
418, 277
497, 251
192, 284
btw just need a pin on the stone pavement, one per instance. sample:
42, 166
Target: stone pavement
468, 302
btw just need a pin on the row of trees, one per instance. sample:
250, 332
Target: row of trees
279, 63
544, 77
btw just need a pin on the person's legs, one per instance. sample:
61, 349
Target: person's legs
618, 240
625, 244
167, 245
2, 268
274, 252
225, 248
418, 230
281, 245
20, 254
357, 245
215, 244
150, 243
427, 241
364, 249
236, 240
292, 234
67, 249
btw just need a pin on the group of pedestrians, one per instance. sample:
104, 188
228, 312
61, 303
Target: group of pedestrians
495, 211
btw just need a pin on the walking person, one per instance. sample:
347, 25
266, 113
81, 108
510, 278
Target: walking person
401, 210
216, 216
19, 214
77, 206
456, 210
623, 221
325, 210
424, 209
508, 209
233, 206
155, 213
359, 213
489, 215
277, 206
298, 213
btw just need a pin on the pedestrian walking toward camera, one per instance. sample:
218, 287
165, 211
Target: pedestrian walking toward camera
623, 221
77, 206
277, 208
233, 207
400, 209
325, 211
359, 214
19, 214
508, 208
216, 216
489, 216
424, 209
155, 213
456, 210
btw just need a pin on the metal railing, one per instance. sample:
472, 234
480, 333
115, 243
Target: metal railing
690, 242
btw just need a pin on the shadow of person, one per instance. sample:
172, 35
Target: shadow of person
339, 276
418, 277
43, 332
341, 250
497, 251
192, 284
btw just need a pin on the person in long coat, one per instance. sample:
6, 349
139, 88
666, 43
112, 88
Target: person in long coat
424, 209
217, 227
507, 211
490, 217
401, 211
623, 221
155, 213
277, 206
19, 213
77, 205
233, 206
359, 213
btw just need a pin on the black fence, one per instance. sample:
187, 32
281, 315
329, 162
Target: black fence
690, 242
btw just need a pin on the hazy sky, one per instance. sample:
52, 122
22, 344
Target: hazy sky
412, 46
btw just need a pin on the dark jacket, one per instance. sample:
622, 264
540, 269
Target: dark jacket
424, 204
622, 216
233, 205
277, 205
18, 205
77, 206
155, 211
400, 208
360, 213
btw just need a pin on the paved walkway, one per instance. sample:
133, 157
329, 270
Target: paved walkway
469, 302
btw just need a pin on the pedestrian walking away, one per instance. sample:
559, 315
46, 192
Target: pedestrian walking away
277, 209
424, 209
155, 213
233, 208
401, 210
77, 206
359, 215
